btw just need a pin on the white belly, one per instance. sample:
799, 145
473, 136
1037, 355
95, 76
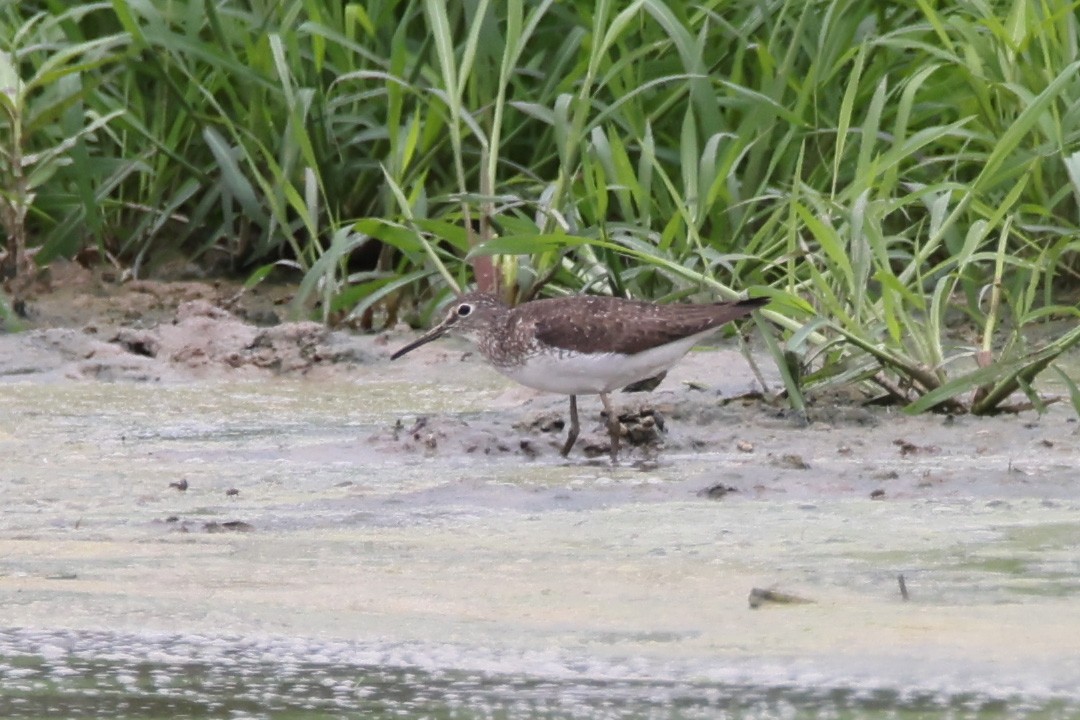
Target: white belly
577, 374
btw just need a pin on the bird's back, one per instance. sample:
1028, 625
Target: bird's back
593, 324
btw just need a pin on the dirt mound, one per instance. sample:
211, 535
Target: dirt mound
84, 325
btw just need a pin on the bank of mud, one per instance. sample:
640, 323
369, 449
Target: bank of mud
189, 478
84, 325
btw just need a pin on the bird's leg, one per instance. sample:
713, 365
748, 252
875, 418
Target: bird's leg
571, 436
612, 426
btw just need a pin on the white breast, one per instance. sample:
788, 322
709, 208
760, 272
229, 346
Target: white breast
576, 374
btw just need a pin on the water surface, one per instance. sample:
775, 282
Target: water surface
368, 580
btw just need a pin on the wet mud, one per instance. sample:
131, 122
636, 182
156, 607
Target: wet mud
187, 476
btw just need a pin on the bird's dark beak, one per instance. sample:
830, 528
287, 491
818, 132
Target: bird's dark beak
434, 334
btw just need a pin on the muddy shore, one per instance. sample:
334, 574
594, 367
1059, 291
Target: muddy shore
84, 325
181, 462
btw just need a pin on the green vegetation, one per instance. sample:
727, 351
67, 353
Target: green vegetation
903, 179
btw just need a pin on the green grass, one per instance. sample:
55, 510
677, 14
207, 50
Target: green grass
903, 179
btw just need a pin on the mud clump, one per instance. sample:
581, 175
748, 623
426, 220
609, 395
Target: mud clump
145, 331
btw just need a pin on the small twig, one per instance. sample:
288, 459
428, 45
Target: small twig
543, 280
760, 597
890, 387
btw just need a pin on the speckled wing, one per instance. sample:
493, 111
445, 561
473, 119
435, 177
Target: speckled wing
600, 324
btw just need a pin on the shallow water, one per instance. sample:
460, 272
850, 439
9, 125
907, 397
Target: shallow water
378, 582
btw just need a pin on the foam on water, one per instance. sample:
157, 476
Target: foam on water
122, 674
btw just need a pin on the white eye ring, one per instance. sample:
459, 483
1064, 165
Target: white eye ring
464, 310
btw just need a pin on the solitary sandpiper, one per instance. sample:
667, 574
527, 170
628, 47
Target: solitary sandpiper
582, 345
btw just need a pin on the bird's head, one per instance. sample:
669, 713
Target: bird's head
466, 317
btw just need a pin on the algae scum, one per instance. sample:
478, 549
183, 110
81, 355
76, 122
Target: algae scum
319, 565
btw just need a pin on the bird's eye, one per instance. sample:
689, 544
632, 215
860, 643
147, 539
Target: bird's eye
464, 310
